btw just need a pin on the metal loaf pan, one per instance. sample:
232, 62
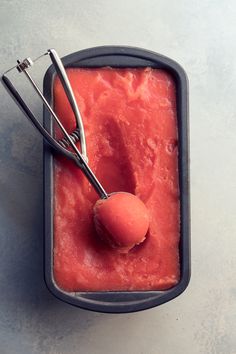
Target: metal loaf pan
122, 301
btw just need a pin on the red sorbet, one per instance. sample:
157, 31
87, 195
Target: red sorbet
130, 124
122, 220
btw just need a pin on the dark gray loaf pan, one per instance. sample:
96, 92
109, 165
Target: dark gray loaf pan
122, 301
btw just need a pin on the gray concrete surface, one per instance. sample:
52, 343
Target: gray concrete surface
201, 36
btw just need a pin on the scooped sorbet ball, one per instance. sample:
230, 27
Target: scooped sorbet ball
122, 220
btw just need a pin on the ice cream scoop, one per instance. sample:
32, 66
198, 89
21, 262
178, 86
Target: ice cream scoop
121, 220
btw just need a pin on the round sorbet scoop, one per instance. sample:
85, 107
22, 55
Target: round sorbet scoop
122, 220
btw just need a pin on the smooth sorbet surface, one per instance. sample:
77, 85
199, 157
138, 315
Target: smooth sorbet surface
121, 220
130, 123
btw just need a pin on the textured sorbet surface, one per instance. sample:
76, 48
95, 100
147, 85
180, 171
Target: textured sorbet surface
130, 123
